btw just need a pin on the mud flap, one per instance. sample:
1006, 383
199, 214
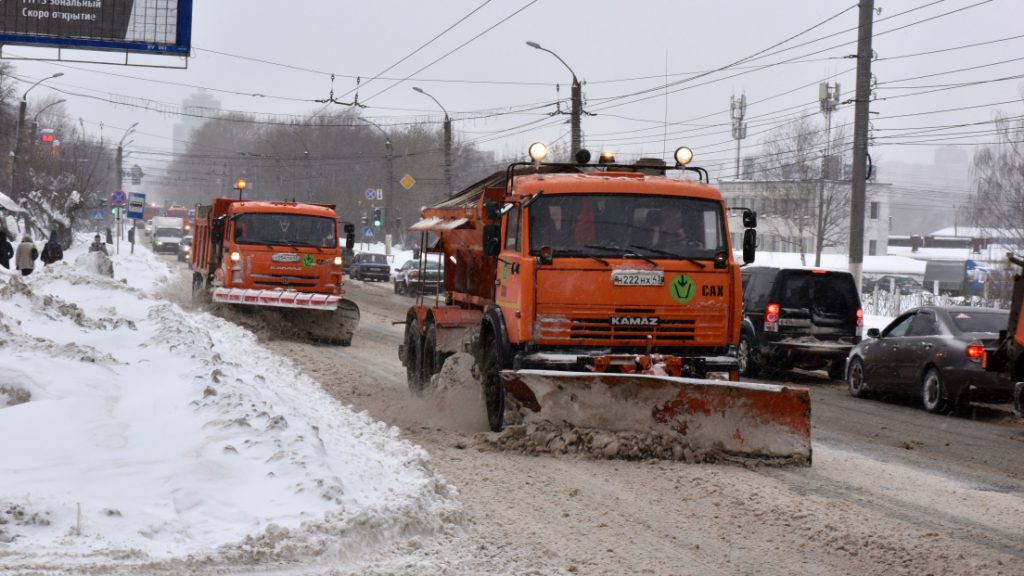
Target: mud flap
735, 418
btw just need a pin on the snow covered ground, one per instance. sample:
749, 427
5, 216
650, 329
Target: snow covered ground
137, 433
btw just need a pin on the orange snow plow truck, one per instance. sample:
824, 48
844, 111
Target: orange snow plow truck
601, 296
281, 256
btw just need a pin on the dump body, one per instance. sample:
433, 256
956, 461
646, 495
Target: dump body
276, 254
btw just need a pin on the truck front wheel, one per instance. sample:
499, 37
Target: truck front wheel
494, 390
413, 347
200, 296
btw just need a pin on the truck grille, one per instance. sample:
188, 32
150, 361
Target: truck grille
279, 280
553, 328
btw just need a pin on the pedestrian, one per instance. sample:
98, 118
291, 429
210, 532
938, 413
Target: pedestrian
98, 245
6, 250
52, 251
25, 258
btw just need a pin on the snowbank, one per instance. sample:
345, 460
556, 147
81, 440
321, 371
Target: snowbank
135, 431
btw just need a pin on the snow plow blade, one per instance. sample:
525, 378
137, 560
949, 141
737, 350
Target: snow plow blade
742, 419
333, 327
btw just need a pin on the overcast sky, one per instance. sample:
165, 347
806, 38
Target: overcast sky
616, 48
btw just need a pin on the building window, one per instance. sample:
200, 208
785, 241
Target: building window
874, 210
872, 247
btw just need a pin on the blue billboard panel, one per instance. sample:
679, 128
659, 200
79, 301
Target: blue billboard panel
152, 26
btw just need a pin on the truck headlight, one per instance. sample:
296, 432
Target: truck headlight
159, 243
235, 257
338, 261
187, 248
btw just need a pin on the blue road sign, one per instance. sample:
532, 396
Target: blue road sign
371, 194
368, 232
118, 198
136, 205
98, 215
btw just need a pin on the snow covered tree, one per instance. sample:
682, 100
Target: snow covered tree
998, 181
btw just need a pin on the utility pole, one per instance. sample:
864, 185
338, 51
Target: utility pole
739, 127
860, 139
828, 96
577, 110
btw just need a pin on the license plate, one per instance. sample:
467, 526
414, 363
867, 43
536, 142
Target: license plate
638, 278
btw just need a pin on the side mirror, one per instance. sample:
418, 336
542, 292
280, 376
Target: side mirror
874, 333
749, 244
217, 231
492, 240
749, 219
492, 210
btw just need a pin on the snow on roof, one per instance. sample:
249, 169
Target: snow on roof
872, 264
176, 434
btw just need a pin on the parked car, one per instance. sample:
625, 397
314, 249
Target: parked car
184, 248
347, 256
904, 285
409, 278
934, 352
798, 318
369, 266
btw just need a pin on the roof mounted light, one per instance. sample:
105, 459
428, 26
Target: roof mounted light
538, 151
683, 156
606, 157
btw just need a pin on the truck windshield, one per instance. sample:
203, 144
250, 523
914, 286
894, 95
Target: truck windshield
285, 229
664, 227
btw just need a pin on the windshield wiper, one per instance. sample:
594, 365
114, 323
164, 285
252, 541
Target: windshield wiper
625, 253
577, 253
689, 259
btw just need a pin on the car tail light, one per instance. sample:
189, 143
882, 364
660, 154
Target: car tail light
975, 352
414, 273
771, 318
860, 322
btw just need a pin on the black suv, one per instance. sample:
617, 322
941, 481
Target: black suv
369, 266
798, 318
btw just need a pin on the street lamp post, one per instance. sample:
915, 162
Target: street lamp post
35, 119
18, 154
120, 181
577, 101
447, 141
389, 201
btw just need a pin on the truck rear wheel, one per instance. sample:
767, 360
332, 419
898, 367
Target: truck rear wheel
413, 351
494, 390
431, 359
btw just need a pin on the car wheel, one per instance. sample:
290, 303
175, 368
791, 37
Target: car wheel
396, 286
494, 390
745, 357
855, 378
933, 393
1018, 399
413, 350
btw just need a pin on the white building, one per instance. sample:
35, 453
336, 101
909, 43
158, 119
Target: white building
787, 214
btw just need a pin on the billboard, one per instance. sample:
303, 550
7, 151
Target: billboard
150, 26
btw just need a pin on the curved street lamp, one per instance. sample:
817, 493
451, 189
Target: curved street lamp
447, 140
22, 107
389, 201
577, 100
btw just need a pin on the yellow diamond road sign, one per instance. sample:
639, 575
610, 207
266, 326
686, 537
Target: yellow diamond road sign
407, 181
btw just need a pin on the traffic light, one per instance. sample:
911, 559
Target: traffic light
376, 217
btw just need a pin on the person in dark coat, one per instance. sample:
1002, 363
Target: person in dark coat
6, 250
52, 251
25, 256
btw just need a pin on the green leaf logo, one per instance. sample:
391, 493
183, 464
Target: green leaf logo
308, 260
682, 289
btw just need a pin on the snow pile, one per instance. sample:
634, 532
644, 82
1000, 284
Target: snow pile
137, 432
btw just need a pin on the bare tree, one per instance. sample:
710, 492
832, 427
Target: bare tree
796, 154
998, 174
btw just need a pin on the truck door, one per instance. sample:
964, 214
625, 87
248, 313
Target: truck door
508, 284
